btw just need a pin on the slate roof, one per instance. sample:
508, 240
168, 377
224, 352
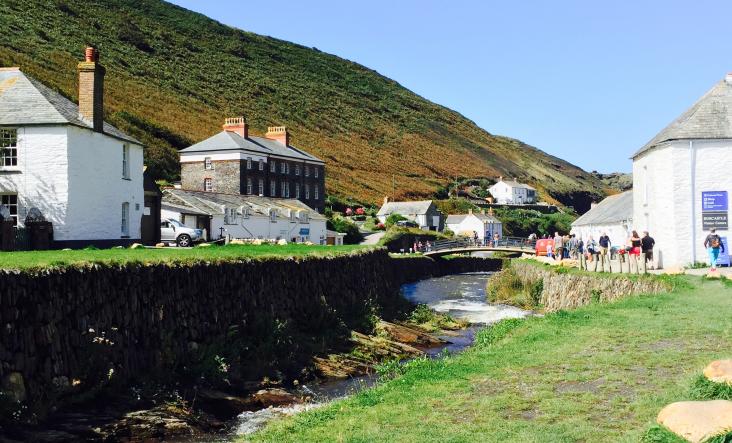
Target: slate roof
612, 209
213, 203
709, 118
458, 218
405, 208
515, 184
232, 141
26, 101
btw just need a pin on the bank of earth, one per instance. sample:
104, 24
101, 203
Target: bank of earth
600, 372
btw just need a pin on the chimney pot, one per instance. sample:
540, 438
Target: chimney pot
237, 125
91, 89
386, 199
279, 134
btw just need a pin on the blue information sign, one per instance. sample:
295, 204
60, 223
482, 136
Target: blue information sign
304, 231
723, 259
714, 201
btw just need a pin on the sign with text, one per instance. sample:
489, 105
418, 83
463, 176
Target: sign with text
714, 201
714, 219
304, 231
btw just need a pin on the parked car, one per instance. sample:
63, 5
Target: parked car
407, 224
174, 231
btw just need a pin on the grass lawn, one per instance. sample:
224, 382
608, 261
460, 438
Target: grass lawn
599, 373
39, 259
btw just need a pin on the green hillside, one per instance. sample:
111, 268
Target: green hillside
173, 75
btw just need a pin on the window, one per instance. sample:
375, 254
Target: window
261, 187
297, 169
307, 171
229, 216
283, 168
125, 161
315, 192
303, 217
207, 184
272, 166
207, 164
288, 190
315, 172
273, 215
297, 190
249, 186
8, 147
10, 201
245, 212
284, 189
261, 164
287, 169
307, 192
293, 214
125, 219
273, 188
249, 163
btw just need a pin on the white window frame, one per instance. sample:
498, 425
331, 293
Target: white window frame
297, 190
283, 189
261, 164
12, 207
261, 187
229, 216
126, 161
8, 148
125, 222
293, 216
315, 192
208, 184
307, 171
307, 192
283, 167
304, 218
315, 171
297, 169
207, 164
245, 213
272, 166
273, 188
249, 186
273, 215
249, 163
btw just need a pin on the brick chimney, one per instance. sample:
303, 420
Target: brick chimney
91, 89
386, 199
238, 125
279, 134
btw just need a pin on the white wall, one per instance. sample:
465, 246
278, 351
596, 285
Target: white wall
471, 223
40, 180
97, 188
619, 233
666, 173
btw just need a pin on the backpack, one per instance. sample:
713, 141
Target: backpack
714, 241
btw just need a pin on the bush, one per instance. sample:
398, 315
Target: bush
353, 235
398, 238
392, 219
509, 288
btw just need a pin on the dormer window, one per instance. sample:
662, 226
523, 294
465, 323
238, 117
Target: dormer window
207, 164
8, 147
304, 217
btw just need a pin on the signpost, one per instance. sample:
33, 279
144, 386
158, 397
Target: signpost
715, 210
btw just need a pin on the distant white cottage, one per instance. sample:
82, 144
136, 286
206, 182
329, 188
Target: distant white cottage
510, 192
486, 226
682, 180
423, 212
84, 175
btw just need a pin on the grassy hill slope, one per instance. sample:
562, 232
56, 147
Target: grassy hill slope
173, 75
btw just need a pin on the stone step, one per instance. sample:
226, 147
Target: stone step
697, 421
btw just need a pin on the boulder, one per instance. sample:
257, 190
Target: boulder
697, 421
282, 242
674, 270
714, 273
203, 245
13, 386
719, 371
137, 246
222, 405
274, 397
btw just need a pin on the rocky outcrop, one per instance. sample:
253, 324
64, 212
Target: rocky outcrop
697, 421
567, 290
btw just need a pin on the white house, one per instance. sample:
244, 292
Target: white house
510, 192
681, 179
424, 213
84, 175
244, 216
467, 224
612, 216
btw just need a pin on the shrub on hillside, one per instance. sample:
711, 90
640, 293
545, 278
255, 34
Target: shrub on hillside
397, 238
393, 219
353, 235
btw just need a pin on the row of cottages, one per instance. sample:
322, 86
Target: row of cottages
511, 192
424, 213
612, 216
245, 216
84, 175
680, 180
486, 226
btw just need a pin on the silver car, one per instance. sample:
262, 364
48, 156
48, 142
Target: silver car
174, 231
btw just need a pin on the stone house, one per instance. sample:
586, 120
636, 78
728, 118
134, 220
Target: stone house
84, 175
424, 213
244, 216
485, 225
235, 162
511, 192
681, 181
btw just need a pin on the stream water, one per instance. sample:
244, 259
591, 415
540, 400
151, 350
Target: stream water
462, 296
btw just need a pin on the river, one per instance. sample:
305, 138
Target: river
462, 296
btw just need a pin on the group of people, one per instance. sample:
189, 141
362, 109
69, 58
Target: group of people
422, 247
571, 247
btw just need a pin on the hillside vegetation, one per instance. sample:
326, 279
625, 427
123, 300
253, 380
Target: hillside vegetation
173, 75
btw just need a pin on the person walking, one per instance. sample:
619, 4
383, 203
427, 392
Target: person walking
714, 244
647, 244
635, 244
558, 245
605, 245
591, 248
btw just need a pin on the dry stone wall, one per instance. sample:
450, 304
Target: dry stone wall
571, 290
68, 330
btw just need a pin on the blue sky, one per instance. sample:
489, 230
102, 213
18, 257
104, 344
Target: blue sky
589, 82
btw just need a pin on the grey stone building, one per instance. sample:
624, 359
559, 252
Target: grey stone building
234, 162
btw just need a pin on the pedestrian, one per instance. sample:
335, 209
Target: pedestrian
647, 244
419, 245
635, 244
429, 246
605, 244
573, 246
475, 238
591, 248
549, 249
714, 244
496, 237
558, 245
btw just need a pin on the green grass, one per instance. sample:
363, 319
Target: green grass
597, 374
41, 259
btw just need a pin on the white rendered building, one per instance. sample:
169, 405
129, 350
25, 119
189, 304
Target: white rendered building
486, 226
510, 192
612, 216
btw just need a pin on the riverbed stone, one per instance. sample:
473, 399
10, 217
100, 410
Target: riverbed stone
13, 386
697, 421
274, 397
719, 371
221, 404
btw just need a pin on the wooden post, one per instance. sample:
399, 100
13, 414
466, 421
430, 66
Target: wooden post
595, 259
644, 265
